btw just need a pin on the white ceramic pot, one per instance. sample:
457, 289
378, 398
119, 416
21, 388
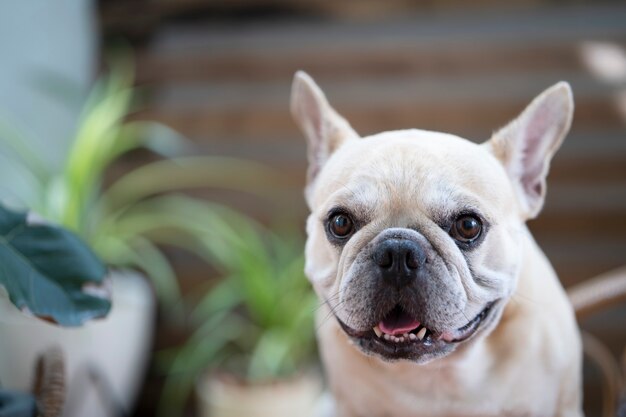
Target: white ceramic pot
227, 397
115, 350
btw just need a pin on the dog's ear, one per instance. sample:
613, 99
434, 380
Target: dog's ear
526, 145
323, 127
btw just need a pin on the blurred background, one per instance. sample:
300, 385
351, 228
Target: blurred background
218, 73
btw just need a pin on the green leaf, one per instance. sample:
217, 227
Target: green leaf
45, 270
190, 172
270, 354
202, 351
17, 403
148, 257
154, 136
93, 147
224, 296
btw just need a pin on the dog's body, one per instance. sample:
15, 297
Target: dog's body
438, 300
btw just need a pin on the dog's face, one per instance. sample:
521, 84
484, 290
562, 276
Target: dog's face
413, 237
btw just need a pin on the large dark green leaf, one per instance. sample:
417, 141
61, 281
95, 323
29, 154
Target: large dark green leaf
49, 272
17, 404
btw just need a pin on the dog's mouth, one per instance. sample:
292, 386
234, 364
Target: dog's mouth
400, 336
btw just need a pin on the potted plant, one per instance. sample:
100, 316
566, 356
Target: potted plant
47, 272
253, 352
123, 222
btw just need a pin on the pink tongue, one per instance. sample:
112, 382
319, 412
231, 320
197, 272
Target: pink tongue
398, 324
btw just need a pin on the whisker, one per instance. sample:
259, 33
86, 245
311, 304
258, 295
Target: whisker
525, 298
330, 314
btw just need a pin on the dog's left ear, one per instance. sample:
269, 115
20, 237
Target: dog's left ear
526, 145
323, 127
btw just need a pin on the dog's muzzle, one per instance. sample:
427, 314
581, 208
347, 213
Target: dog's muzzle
404, 303
399, 336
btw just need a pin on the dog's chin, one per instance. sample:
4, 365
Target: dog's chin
422, 345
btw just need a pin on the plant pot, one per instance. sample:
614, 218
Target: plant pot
220, 396
105, 360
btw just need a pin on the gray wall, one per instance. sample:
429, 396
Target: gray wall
47, 58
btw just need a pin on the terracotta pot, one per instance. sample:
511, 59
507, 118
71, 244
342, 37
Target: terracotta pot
220, 396
114, 350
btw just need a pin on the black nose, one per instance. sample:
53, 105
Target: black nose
399, 260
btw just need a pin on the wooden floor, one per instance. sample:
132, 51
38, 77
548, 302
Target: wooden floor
226, 86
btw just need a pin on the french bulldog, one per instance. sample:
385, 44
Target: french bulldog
436, 299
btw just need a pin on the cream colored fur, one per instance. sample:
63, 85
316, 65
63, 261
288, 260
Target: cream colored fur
528, 361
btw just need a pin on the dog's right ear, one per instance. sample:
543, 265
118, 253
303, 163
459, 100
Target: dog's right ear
323, 127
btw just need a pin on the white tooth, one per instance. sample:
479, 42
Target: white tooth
412, 336
395, 339
378, 331
386, 336
406, 335
421, 333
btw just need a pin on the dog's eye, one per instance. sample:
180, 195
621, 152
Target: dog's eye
341, 226
466, 228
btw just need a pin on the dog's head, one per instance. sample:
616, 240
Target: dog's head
414, 236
